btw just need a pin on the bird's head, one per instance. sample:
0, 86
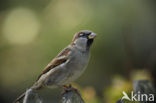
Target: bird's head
83, 39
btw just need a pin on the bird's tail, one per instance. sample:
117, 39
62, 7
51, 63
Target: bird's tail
19, 98
34, 87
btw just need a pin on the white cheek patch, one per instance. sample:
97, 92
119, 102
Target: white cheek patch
81, 43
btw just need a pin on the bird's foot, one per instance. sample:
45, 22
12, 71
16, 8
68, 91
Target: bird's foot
70, 88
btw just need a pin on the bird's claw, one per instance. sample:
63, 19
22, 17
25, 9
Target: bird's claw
70, 88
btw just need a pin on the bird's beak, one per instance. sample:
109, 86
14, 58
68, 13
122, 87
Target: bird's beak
92, 36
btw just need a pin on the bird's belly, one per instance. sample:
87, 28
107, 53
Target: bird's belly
74, 69
68, 72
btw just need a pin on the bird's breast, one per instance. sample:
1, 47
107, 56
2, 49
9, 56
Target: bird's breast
76, 66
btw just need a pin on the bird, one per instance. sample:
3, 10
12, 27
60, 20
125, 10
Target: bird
68, 65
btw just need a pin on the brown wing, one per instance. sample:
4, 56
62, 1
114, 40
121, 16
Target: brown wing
64, 52
58, 60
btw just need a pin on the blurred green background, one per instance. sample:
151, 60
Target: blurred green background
32, 32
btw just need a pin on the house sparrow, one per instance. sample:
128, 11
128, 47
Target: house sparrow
68, 65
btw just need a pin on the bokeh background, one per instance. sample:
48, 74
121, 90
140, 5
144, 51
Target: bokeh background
32, 32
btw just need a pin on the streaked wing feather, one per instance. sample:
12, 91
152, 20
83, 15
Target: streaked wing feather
61, 58
64, 52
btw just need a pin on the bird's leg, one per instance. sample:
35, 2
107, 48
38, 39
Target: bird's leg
76, 90
70, 88
66, 88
